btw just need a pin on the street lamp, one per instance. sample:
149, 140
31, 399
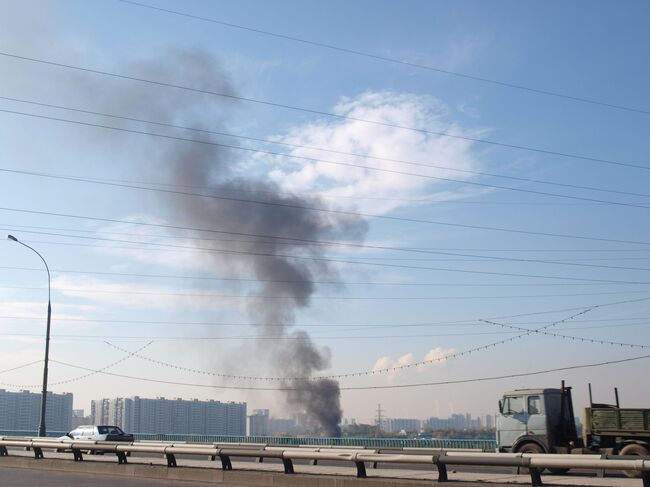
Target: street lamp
41, 426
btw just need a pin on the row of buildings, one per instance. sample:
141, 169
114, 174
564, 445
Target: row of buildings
455, 422
460, 422
21, 411
171, 416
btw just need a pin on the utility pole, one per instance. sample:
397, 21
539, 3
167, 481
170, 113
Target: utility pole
379, 421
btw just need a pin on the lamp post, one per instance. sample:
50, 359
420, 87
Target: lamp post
41, 426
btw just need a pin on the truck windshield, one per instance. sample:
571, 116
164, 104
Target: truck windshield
513, 405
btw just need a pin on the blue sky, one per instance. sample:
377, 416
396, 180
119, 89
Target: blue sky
592, 50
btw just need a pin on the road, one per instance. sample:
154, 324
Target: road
21, 477
20, 468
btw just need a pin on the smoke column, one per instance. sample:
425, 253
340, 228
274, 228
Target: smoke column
215, 170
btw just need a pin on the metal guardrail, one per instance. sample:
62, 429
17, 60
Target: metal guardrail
446, 443
535, 463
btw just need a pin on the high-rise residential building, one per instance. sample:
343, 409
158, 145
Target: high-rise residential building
258, 423
21, 411
171, 416
395, 425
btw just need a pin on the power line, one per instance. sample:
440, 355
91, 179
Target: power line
391, 60
321, 112
284, 337
442, 358
411, 220
323, 149
336, 283
14, 227
455, 324
499, 377
20, 366
262, 338
316, 297
382, 264
480, 258
388, 386
84, 376
446, 252
280, 154
568, 337
445, 357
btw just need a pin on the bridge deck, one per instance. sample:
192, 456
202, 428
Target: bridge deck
249, 473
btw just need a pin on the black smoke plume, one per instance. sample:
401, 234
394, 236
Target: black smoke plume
217, 171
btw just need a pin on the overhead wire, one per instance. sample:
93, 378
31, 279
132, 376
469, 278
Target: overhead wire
385, 386
84, 376
261, 151
85, 290
337, 116
358, 259
582, 311
20, 366
325, 149
400, 266
454, 323
319, 334
290, 238
341, 243
568, 337
402, 62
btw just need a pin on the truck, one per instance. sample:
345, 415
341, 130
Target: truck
543, 421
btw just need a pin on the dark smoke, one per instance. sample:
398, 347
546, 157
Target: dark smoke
199, 165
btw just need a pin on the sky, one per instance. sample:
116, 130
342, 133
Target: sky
435, 215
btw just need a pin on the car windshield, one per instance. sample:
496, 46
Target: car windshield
109, 430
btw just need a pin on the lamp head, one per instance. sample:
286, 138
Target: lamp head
11, 237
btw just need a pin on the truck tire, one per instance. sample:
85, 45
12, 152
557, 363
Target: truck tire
529, 447
637, 450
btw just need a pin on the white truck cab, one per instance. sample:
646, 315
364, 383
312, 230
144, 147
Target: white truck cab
536, 421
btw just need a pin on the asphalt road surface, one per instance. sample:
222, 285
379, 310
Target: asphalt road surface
15, 477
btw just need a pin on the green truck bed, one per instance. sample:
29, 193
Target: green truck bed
618, 421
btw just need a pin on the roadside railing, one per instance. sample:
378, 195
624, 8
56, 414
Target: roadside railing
445, 443
438, 458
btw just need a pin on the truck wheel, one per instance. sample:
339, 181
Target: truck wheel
528, 448
637, 450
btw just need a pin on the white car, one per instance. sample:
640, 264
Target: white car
98, 433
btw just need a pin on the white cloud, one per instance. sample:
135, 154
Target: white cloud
378, 191
436, 356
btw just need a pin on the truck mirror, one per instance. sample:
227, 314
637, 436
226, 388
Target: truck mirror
500, 406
